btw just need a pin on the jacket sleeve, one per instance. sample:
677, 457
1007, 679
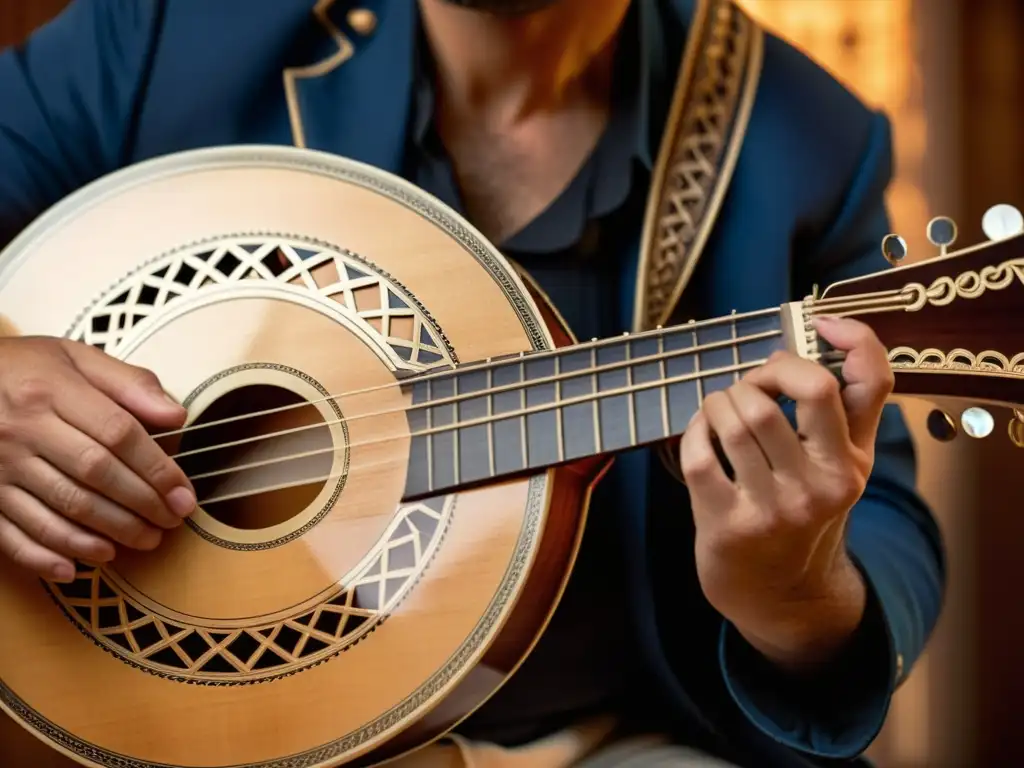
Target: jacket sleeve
67, 98
892, 537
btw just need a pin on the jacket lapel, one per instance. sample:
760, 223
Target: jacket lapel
337, 104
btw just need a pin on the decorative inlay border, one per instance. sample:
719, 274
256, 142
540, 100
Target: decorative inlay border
255, 651
903, 358
967, 285
319, 756
366, 295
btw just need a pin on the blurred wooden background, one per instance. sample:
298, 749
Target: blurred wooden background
950, 74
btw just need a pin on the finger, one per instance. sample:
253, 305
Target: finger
866, 370
96, 415
770, 428
749, 463
819, 407
89, 462
137, 389
89, 510
17, 546
702, 470
56, 533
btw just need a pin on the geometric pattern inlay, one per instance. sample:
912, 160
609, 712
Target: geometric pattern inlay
955, 360
368, 296
245, 652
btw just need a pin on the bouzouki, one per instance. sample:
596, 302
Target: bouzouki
393, 439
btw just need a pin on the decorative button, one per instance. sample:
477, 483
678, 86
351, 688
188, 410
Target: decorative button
899, 666
362, 20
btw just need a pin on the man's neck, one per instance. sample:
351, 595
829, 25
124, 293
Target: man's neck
503, 70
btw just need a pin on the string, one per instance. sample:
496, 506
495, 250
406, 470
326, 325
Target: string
497, 390
490, 363
629, 389
879, 301
890, 295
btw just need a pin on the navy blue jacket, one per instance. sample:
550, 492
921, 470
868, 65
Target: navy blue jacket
112, 82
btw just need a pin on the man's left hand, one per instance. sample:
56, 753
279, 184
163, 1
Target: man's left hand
770, 543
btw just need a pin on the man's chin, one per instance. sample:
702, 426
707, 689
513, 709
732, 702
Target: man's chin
504, 7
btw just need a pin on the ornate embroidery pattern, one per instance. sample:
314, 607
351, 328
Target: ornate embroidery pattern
706, 134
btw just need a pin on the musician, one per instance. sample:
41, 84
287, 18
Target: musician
760, 614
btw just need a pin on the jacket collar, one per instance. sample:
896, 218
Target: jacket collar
337, 104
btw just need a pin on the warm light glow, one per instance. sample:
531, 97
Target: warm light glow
868, 45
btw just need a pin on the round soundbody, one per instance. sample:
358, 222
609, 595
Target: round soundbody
306, 615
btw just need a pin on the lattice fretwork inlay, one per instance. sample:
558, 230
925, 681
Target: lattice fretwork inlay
334, 277
222, 653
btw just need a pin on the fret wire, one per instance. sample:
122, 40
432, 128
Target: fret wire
735, 348
619, 364
490, 423
594, 343
430, 439
522, 406
630, 396
696, 367
455, 432
663, 372
597, 407
559, 433
614, 392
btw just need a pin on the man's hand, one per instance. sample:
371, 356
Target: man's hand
78, 472
771, 552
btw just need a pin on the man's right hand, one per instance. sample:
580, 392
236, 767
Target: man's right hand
79, 473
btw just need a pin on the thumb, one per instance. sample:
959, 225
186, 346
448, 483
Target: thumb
866, 371
135, 389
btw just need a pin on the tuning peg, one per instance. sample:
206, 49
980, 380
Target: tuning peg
941, 426
1002, 221
894, 248
942, 233
1016, 428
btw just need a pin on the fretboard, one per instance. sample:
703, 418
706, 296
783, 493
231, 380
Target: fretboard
534, 411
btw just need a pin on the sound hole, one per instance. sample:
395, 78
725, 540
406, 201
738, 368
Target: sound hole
265, 463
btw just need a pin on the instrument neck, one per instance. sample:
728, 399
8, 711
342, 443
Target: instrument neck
526, 413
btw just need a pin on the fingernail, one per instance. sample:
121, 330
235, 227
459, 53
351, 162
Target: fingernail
181, 501
64, 573
101, 552
150, 539
826, 319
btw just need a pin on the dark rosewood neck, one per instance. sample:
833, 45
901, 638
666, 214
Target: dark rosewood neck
522, 414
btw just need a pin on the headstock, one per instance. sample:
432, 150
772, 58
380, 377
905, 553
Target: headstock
953, 324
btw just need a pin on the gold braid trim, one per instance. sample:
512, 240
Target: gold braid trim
908, 358
714, 94
711, 106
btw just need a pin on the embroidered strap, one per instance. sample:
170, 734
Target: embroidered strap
711, 105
